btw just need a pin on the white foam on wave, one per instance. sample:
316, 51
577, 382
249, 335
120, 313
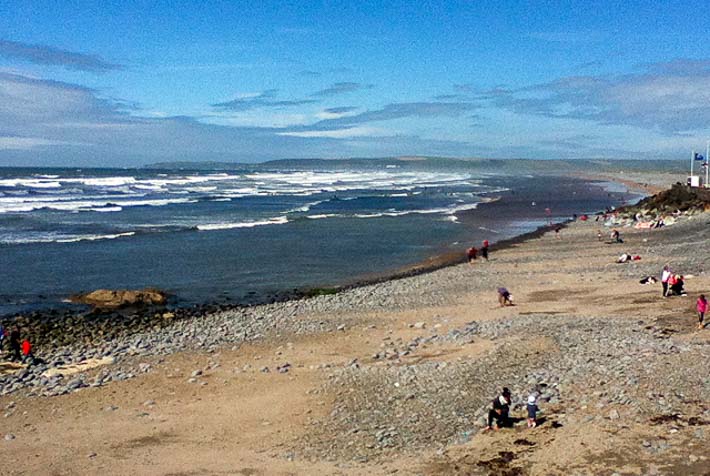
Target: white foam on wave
61, 238
245, 224
305, 208
322, 215
106, 209
96, 237
69, 205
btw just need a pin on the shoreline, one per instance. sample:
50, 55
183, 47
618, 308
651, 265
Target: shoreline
218, 302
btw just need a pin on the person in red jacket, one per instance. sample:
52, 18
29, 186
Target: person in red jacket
27, 356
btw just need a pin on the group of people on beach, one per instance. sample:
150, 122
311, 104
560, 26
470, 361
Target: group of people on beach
472, 252
20, 350
673, 285
499, 413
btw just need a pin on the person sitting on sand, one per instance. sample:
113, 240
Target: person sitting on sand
532, 411
471, 253
616, 236
676, 284
499, 411
702, 308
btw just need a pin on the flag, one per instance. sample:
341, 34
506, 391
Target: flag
699, 157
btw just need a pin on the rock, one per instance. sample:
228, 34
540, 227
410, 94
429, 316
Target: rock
113, 299
419, 325
144, 367
9, 437
341, 327
91, 455
168, 315
149, 403
196, 373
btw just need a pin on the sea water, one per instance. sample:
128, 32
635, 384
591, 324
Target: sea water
207, 235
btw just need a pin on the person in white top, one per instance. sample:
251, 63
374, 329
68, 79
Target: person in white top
665, 276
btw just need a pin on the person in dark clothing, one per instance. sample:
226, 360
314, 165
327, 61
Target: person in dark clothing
15, 344
484, 250
499, 411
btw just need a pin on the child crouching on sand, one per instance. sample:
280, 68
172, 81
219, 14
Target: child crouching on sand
532, 411
702, 308
504, 297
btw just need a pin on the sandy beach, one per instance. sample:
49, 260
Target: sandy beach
397, 377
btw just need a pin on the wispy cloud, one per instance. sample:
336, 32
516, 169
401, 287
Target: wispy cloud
310, 74
569, 36
340, 110
399, 111
49, 55
260, 100
358, 131
341, 88
671, 97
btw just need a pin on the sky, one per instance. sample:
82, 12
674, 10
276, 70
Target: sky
130, 83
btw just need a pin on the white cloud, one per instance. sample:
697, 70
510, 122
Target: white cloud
360, 131
27, 143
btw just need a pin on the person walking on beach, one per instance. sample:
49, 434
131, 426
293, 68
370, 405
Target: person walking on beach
702, 308
665, 277
500, 408
2, 337
15, 344
471, 253
484, 250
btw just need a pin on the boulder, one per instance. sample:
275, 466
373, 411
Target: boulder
113, 299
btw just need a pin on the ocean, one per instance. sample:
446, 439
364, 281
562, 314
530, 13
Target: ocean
242, 234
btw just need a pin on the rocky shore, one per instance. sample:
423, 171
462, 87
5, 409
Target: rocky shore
397, 376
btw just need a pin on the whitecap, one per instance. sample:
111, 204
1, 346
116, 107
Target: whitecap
245, 224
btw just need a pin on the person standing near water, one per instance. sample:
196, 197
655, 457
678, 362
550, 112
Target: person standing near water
15, 344
471, 254
484, 250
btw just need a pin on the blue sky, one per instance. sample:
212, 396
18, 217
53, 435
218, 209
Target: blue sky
130, 83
